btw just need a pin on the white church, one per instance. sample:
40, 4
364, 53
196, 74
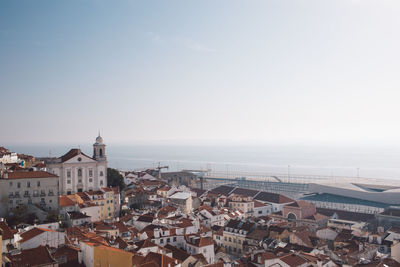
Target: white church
79, 172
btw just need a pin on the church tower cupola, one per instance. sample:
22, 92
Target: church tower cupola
99, 149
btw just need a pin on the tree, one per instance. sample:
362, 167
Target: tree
114, 178
20, 215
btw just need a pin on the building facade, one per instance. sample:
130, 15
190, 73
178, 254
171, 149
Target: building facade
78, 172
26, 188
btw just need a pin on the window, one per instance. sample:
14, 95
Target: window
11, 184
168, 240
80, 181
174, 239
19, 185
260, 212
101, 182
28, 184
90, 180
68, 173
161, 241
68, 181
50, 201
101, 173
11, 201
38, 183
90, 173
230, 239
79, 172
26, 193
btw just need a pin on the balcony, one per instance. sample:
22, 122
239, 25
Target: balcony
35, 194
11, 195
42, 194
27, 195
50, 194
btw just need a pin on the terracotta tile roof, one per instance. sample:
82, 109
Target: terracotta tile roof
65, 201
8, 233
107, 189
39, 256
241, 225
33, 233
30, 174
244, 192
144, 244
261, 257
198, 241
145, 218
258, 204
68, 255
301, 204
177, 253
184, 222
293, 260
74, 215
273, 198
72, 153
164, 211
122, 244
207, 208
218, 264
159, 259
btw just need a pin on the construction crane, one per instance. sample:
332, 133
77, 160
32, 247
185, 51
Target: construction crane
159, 170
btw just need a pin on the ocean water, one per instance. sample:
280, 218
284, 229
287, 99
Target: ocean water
348, 161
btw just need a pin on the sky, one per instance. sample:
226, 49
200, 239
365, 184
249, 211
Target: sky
200, 71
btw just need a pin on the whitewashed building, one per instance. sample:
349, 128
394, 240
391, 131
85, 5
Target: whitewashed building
79, 172
39, 237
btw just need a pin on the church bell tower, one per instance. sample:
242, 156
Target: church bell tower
99, 149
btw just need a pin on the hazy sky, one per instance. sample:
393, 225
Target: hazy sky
254, 71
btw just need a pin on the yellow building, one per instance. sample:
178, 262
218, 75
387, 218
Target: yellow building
1, 246
104, 199
97, 255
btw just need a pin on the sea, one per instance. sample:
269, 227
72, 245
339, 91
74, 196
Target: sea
373, 161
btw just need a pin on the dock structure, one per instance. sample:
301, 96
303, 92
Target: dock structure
365, 195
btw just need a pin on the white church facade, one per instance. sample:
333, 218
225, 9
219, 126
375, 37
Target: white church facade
79, 172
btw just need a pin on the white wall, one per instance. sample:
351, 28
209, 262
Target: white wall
52, 239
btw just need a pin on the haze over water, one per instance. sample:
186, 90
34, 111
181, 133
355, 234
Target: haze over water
371, 161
